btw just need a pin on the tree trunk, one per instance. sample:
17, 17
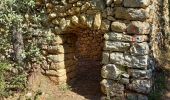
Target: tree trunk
18, 46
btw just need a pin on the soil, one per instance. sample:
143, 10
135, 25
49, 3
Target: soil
85, 87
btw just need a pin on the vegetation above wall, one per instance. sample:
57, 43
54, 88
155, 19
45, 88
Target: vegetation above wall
20, 20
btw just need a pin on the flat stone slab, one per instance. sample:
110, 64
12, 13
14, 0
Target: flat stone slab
136, 3
131, 13
116, 46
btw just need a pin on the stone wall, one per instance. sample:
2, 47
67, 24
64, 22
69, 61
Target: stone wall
130, 29
127, 58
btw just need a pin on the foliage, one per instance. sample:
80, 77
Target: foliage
31, 22
3, 66
159, 87
65, 87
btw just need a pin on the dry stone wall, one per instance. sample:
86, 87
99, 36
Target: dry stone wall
127, 59
129, 28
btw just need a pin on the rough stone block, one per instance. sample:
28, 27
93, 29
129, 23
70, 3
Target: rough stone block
112, 88
82, 19
120, 59
57, 66
128, 59
142, 74
60, 57
139, 38
97, 21
118, 26
136, 3
74, 20
116, 46
58, 30
85, 6
72, 1
73, 11
60, 49
63, 24
111, 18
99, 4
117, 37
140, 86
109, 11
90, 20
52, 15
56, 58
105, 25
140, 62
124, 81
59, 39
109, 2
44, 65
111, 71
131, 14
118, 2
137, 27
140, 49
114, 36
105, 57
92, 12
62, 65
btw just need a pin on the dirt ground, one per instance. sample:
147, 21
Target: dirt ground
85, 87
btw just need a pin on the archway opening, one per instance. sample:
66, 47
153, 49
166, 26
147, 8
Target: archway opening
86, 76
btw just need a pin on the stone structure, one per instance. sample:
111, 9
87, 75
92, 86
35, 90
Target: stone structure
121, 31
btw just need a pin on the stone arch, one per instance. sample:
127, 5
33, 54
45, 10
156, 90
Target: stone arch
93, 22
126, 55
67, 29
